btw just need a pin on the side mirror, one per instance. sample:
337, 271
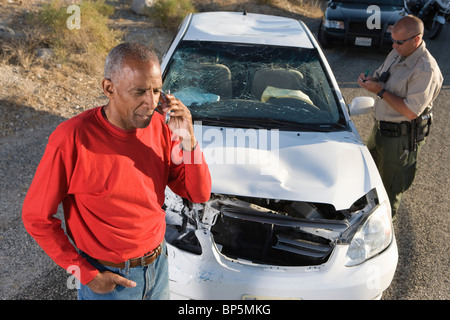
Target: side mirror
361, 105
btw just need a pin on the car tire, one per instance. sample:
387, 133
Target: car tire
435, 30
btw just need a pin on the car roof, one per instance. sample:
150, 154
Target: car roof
242, 27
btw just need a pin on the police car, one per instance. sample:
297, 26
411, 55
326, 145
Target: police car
298, 209
360, 23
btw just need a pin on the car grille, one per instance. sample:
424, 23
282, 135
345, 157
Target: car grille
361, 28
303, 247
269, 244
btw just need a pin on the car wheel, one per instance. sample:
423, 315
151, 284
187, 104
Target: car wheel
435, 30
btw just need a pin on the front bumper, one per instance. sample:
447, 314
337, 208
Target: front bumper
349, 38
211, 276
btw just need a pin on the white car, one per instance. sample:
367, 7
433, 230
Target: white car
298, 209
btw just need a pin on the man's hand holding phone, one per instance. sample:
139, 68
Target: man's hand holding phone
179, 119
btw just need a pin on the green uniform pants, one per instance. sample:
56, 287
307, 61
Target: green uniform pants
396, 164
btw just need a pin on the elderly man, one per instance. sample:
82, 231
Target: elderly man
109, 166
406, 84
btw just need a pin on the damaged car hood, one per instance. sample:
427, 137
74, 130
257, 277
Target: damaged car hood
334, 168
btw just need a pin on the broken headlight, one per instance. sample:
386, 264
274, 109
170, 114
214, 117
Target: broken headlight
372, 237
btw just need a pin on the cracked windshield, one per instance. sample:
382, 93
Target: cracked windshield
253, 86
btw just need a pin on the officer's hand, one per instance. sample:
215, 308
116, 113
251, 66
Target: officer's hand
106, 282
363, 78
369, 84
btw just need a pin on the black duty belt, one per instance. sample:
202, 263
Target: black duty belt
416, 129
394, 129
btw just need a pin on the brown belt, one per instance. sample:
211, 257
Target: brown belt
143, 261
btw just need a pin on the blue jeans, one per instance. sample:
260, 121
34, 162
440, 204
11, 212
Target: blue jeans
152, 281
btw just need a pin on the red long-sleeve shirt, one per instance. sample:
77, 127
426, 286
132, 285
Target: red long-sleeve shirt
111, 183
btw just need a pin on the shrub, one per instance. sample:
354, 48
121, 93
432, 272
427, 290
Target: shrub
87, 46
171, 12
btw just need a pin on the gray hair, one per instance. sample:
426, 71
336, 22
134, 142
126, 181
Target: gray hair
116, 57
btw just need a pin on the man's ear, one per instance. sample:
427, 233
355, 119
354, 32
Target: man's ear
108, 88
418, 40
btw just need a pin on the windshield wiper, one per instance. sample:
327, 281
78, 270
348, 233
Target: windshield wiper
268, 123
304, 126
226, 121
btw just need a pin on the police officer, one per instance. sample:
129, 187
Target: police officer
406, 84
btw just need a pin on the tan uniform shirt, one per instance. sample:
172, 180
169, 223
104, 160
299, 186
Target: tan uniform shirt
417, 79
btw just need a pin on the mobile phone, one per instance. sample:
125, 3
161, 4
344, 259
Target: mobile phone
164, 98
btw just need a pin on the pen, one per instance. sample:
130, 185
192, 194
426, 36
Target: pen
365, 76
